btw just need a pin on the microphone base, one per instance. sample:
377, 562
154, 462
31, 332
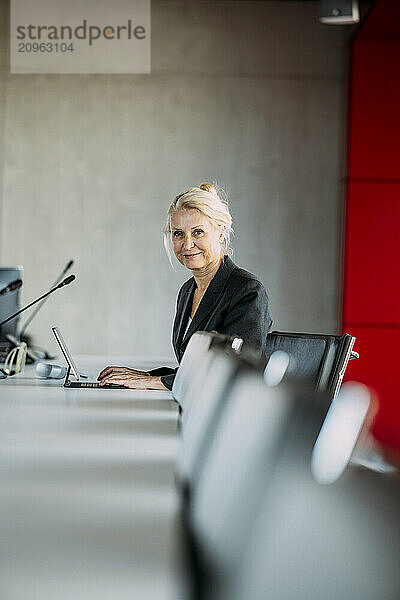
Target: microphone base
31, 356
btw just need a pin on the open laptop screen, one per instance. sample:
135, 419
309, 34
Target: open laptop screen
65, 351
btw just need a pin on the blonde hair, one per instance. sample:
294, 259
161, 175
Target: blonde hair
208, 199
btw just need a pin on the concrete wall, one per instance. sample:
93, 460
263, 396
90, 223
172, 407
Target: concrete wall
248, 94
3, 94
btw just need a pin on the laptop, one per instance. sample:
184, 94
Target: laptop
72, 368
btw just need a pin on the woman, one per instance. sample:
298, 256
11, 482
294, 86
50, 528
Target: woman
219, 297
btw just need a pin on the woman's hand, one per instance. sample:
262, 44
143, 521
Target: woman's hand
121, 370
130, 378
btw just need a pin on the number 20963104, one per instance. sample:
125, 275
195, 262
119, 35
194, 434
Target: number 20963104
45, 47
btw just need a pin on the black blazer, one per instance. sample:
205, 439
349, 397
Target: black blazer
235, 303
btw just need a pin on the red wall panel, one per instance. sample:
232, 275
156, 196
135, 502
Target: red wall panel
375, 102
372, 261
371, 297
376, 367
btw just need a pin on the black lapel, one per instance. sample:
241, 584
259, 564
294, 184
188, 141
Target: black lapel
211, 296
184, 309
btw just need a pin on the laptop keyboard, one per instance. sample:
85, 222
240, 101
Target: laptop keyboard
94, 384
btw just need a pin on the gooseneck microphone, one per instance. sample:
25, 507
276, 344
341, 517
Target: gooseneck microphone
66, 281
34, 313
14, 285
67, 267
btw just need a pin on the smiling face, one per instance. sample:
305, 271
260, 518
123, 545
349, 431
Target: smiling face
196, 240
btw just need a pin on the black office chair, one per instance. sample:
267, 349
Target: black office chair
277, 516
319, 358
315, 538
263, 445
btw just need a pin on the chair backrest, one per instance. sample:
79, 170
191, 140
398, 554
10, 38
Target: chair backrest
207, 395
194, 361
263, 524
240, 459
195, 352
312, 541
320, 358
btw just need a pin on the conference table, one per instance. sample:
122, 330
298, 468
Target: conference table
88, 501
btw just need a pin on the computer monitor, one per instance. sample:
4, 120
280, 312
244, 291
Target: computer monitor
9, 303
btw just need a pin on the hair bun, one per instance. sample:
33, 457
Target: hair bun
209, 187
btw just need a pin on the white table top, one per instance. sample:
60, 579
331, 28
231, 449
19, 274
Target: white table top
87, 495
